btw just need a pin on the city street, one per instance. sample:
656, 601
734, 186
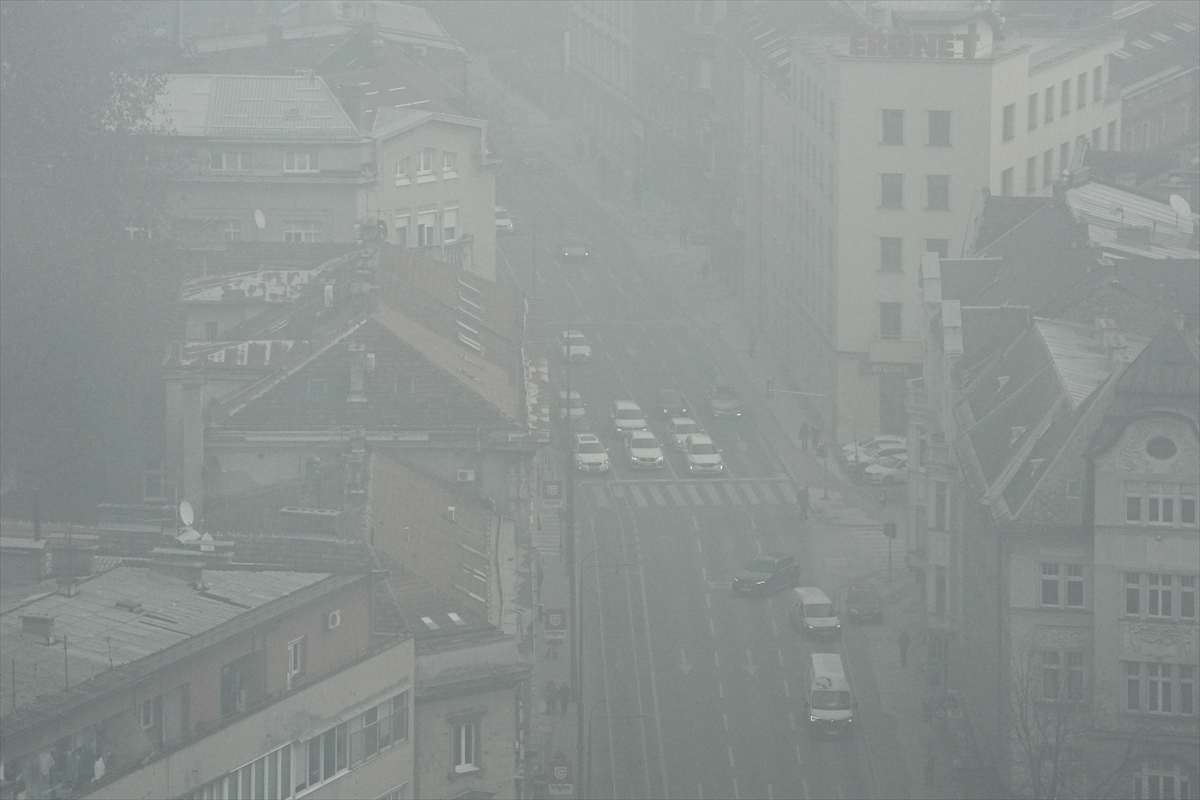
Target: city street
688, 690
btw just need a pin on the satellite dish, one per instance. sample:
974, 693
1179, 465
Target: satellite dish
1181, 206
260, 219
186, 515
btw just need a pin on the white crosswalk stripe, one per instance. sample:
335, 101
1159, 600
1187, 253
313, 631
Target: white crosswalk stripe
734, 497
700, 493
675, 495
750, 495
601, 493
638, 497
692, 493
657, 495
713, 496
767, 494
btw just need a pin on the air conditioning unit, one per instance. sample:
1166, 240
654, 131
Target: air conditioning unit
333, 620
450, 514
466, 475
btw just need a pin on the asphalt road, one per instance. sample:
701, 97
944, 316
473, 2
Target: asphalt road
688, 691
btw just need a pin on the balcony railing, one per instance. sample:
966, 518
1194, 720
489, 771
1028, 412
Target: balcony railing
937, 454
917, 399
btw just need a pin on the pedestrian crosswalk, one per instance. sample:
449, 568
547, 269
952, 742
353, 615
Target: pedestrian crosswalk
691, 493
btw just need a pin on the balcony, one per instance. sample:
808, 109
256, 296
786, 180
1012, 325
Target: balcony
937, 454
917, 399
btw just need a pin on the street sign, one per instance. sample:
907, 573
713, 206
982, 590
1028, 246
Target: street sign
561, 776
552, 494
556, 625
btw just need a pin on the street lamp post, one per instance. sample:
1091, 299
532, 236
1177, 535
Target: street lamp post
587, 784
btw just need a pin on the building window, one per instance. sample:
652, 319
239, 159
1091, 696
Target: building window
426, 166
231, 230
1187, 504
296, 656
1162, 596
939, 505
401, 230
464, 742
1098, 84
893, 126
1062, 676
1081, 90
1160, 779
939, 246
1048, 167
1033, 111
938, 187
1031, 175
301, 230
890, 254
1158, 595
1074, 585
210, 331
1064, 157
939, 589
939, 128
450, 224
1049, 104
1050, 580
396, 793
230, 160
1010, 121
449, 164
1006, 182
427, 229
1066, 97
402, 168
891, 190
1160, 504
1187, 596
889, 320
300, 162
1133, 593
1062, 586
378, 728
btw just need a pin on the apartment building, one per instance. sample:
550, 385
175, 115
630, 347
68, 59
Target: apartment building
167, 678
1009, 113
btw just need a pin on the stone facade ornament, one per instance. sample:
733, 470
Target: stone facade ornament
1158, 641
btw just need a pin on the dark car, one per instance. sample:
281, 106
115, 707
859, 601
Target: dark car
724, 401
862, 603
673, 403
768, 574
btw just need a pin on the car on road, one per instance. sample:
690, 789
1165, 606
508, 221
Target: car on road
504, 223
767, 574
813, 613
672, 402
573, 248
871, 445
702, 455
724, 401
535, 161
572, 406
643, 450
575, 346
590, 455
679, 428
628, 416
862, 603
874, 455
888, 470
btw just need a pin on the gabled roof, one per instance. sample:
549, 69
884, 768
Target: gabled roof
290, 108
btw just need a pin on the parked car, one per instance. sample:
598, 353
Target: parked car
672, 403
627, 416
888, 470
644, 450
862, 603
504, 223
679, 428
869, 444
875, 455
767, 574
575, 346
723, 400
703, 457
590, 455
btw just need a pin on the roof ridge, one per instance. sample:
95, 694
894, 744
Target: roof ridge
1038, 210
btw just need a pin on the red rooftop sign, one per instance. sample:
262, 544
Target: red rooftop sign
902, 44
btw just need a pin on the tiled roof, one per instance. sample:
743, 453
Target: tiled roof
295, 108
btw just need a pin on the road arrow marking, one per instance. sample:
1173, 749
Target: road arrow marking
683, 664
750, 666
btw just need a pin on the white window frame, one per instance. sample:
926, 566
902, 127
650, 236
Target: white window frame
231, 230
449, 164
427, 227
230, 161
296, 658
1063, 676
403, 230
296, 231
402, 167
1160, 504
465, 754
1155, 775
425, 165
300, 161
450, 226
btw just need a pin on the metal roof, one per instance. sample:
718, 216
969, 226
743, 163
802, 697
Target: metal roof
1125, 221
94, 634
1079, 357
252, 108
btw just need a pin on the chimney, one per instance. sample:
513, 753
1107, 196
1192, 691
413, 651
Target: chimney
38, 627
358, 370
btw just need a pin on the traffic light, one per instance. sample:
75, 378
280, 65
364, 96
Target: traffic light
889, 530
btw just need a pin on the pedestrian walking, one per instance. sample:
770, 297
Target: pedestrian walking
903, 641
805, 435
804, 498
551, 696
564, 698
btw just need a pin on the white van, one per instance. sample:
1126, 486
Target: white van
812, 612
829, 703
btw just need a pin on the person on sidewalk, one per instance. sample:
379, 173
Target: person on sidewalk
805, 435
903, 641
564, 698
551, 696
804, 500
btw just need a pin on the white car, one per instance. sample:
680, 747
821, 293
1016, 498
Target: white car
627, 416
590, 455
643, 450
874, 456
574, 345
870, 444
679, 428
504, 223
702, 455
888, 470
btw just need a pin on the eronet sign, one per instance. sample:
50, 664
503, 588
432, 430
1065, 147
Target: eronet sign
561, 776
552, 494
903, 44
556, 624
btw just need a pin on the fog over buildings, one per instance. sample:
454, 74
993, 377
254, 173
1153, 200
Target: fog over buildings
599, 399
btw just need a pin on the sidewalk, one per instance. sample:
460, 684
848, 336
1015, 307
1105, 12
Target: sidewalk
897, 745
